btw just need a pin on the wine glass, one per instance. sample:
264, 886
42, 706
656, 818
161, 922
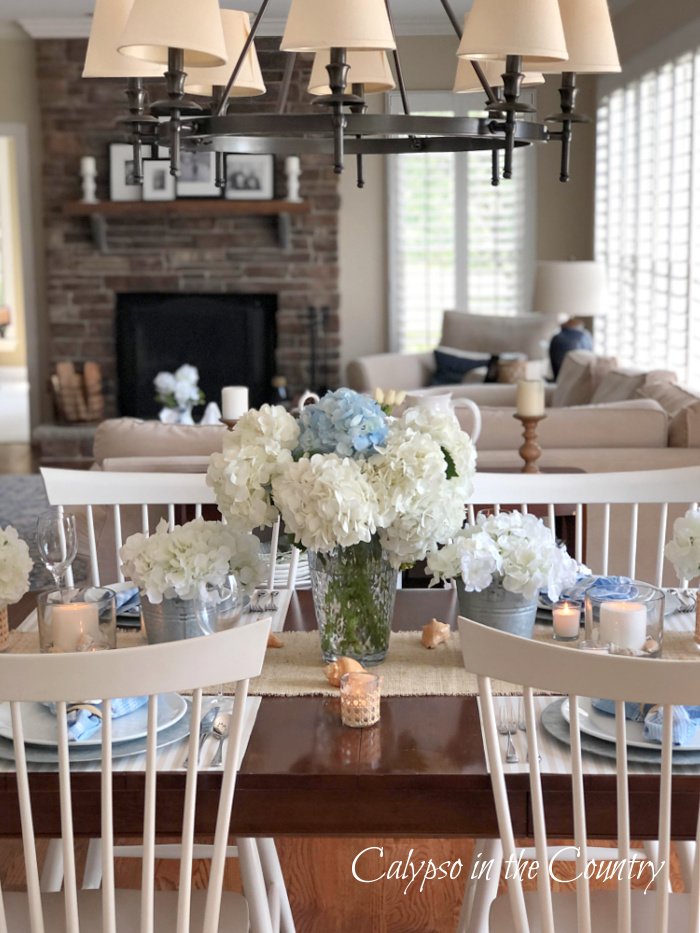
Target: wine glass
57, 540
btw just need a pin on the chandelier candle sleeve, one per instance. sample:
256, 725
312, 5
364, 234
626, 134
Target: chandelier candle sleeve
529, 401
623, 624
359, 699
234, 402
566, 619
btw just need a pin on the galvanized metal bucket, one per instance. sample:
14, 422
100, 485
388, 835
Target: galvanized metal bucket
174, 619
498, 608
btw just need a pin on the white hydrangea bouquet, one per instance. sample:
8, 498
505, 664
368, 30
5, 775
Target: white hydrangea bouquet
508, 553
365, 493
683, 550
178, 392
191, 561
15, 567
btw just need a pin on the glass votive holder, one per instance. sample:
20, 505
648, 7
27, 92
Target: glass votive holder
77, 619
359, 699
566, 619
632, 626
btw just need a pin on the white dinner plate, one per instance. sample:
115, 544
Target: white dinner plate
602, 726
40, 723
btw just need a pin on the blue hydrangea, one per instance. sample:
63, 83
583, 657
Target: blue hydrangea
343, 422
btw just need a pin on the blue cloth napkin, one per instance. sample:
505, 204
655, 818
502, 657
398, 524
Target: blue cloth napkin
600, 587
86, 718
128, 602
685, 719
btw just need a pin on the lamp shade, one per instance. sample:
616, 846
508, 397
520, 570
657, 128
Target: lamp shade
154, 26
249, 81
102, 59
466, 81
530, 28
589, 39
314, 25
576, 289
370, 67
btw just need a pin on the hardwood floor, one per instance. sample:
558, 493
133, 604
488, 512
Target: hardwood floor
325, 897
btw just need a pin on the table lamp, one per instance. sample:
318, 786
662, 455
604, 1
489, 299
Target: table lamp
574, 292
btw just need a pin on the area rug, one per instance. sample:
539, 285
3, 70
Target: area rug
22, 500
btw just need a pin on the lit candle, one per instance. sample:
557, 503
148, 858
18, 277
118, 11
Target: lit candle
359, 699
566, 619
623, 624
234, 402
71, 623
529, 399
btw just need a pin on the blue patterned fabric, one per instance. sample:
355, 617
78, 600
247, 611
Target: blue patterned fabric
599, 587
86, 718
685, 719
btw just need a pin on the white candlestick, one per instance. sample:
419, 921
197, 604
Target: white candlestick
292, 169
529, 399
566, 619
623, 624
71, 622
234, 402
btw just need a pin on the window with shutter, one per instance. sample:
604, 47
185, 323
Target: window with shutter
455, 241
647, 225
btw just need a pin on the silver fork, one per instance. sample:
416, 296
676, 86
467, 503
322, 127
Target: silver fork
507, 726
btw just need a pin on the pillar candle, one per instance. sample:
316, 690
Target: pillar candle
529, 400
70, 622
88, 165
234, 402
623, 624
359, 699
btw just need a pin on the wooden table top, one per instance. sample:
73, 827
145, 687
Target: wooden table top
420, 771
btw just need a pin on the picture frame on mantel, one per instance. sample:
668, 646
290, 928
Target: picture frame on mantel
158, 183
197, 175
250, 177
121, 173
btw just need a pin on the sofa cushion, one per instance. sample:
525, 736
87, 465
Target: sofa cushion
492, 333
621, 384
633, 423
684, 429
130, 437
452, 365
669, 395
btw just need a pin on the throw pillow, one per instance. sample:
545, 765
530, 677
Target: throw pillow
669, 395
684, 429
619, 385
451, 365
575, 382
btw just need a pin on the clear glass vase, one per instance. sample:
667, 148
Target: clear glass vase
354, 589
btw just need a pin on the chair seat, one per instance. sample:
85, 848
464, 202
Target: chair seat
603, 912
234, 911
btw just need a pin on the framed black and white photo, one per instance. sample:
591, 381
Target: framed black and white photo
197, 175
158, 183
250, 177
121, 173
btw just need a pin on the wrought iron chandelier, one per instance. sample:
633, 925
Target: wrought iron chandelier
504, 45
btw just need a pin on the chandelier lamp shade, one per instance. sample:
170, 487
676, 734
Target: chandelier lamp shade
210, 53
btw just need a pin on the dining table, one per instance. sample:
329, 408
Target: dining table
420, 771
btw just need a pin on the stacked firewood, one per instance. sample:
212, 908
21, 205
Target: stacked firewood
78, 396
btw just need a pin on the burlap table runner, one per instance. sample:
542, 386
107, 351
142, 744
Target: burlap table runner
296, 669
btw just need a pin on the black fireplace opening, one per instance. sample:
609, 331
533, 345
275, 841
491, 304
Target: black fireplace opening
230, 338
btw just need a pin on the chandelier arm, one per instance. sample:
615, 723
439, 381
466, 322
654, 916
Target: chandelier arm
479, 71
567, 95
286, 81
136, 96
241, 58
397, 65
495, 169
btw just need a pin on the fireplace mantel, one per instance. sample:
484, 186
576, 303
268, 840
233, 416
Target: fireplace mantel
102, 211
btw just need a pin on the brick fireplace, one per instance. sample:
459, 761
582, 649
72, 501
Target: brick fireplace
177, 254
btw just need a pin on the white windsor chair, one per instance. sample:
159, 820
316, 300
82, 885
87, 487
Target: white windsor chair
238, 655
493, 654
624, 518
136, 502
